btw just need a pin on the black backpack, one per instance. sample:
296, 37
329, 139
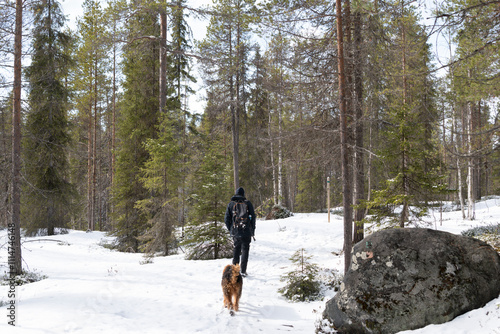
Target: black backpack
240, 216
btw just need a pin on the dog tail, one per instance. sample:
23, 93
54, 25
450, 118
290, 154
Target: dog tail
235, 273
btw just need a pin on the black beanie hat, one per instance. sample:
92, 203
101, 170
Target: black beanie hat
240, 191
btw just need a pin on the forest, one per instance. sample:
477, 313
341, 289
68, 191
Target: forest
98, 129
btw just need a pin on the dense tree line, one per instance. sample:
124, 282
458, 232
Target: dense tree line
111, 143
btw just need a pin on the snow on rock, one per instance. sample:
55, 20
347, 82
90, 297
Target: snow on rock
407, 278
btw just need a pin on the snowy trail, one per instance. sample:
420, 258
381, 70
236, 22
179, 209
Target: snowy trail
91, 289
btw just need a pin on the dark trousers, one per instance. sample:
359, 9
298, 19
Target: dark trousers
241, 247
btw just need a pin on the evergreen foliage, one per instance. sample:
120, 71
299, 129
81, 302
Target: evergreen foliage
489, 234
161, 179
206, 235
136, 125
408, 152
25, 278
47, 194
226, 49
278, 212
478, 231
302, 283
310, 190
164, 173
255, 135
270, 123
90, 127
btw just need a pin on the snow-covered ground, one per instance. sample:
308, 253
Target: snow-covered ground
91, 289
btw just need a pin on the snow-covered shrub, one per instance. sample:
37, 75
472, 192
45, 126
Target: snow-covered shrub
324, 326
337, 211
480, 230
489, 234
25, 278
330, 279
278, 212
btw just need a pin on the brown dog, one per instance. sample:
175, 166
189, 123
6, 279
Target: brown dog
232, 286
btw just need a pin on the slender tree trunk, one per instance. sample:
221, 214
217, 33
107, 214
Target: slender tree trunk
346, 177
237, 106
90, 203
113, 125
273, 166
163, 61
476, 144
279, 108
459, 168
369, 166
406, 186
470, 167
359, 179
460, 188
349, 90
280, 160
95, 204
234, 118
14, 228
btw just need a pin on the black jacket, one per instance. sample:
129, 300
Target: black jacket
228, 218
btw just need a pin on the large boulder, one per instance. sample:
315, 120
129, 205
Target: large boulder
403, 279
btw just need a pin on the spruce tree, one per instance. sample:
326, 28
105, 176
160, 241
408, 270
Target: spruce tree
164, 173
179, 75
302, 283
48, 193
137, 124
310, 190
160, 176
407, 149
206, 235
255, 135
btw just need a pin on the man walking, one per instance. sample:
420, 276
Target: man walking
240, 222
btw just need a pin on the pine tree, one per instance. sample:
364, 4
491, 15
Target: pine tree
14, 231
48, 193
225, 60
5, 157
279, 107
91, 86
474, 83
